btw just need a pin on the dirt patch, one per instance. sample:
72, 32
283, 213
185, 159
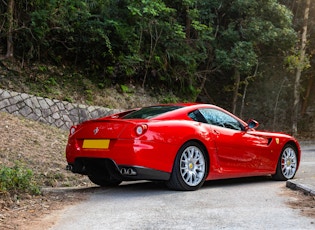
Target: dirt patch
305, 203
38, 147
37, 212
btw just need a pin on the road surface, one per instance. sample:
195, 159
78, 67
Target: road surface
248, 203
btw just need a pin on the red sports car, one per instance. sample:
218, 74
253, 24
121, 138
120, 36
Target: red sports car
183, 144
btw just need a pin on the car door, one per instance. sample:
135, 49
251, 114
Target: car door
238, 152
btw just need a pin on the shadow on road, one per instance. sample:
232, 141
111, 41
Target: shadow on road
158, 187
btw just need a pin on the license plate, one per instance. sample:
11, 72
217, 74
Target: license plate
95, 144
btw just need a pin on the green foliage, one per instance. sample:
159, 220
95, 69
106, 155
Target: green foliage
124, 88
51, 178
169, 98
152, 42
17, 179
49, 83
89, 95
292, 61
266, 26
242, 57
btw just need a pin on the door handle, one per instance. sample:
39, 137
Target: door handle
216, 132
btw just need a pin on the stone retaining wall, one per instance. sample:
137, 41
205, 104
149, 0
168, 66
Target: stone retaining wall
57, 113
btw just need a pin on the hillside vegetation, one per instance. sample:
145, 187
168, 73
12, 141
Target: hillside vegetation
27, 144
72, 85
222, 52
32, 157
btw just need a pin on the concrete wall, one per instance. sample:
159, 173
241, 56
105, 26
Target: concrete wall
57, 113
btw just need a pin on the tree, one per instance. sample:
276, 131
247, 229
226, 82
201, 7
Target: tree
169, 47
181, 44
299, 69
10, 27
246, 31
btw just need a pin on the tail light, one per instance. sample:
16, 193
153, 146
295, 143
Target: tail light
72, 130
141, 129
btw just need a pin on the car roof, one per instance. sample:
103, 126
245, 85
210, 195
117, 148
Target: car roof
165, 111
186, 108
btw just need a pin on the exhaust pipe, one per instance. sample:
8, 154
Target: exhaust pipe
128, 172
69, 167
123, 171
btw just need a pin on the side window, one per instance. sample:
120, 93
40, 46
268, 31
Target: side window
219, 118
193, 116
197, 116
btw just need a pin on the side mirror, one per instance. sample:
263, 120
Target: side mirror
252, 124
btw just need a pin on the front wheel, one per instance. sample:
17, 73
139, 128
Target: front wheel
287, 163
190, 168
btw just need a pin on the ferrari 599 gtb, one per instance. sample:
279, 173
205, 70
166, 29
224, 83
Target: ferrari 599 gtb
183, 144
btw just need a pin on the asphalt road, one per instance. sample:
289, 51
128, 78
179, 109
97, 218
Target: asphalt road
248, 203
305, 177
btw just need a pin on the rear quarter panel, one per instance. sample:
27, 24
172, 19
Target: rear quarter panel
173, 134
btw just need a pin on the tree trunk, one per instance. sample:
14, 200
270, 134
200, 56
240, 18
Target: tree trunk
237, 78
299, 70
307, 95
188, 24
274, 126
10, 12
247, 79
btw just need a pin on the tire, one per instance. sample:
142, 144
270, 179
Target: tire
190, 168
103, 181
287, 163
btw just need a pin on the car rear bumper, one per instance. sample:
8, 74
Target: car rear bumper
87, 166
143, 154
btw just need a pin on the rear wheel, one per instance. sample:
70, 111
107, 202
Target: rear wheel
103, 181
287, 163
190, 168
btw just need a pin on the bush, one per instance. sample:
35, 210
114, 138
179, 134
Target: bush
17, 179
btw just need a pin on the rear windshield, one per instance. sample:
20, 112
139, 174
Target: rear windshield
149, 112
